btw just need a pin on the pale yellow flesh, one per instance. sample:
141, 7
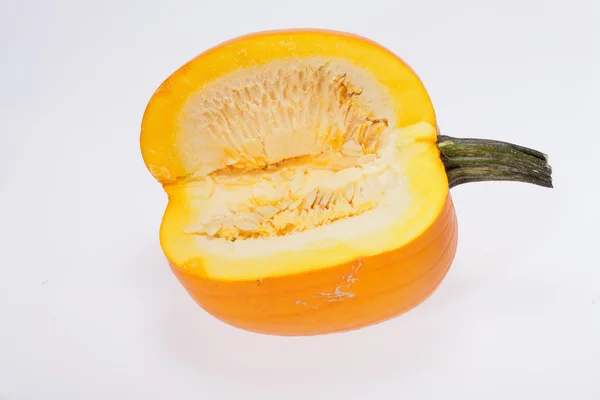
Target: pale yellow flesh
302, 167
285, 109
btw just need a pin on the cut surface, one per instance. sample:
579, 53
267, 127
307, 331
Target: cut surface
302, 194
285, 109
293, 157
287, 147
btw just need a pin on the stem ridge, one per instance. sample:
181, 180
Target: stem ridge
479, 160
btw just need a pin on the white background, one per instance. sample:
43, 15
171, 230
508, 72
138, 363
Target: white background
90, 310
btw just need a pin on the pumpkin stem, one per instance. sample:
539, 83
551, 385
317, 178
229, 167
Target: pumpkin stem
479, 160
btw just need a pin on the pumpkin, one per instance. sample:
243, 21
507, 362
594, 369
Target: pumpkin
308, 183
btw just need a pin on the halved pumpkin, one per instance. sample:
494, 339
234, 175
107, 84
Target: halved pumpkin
307, 191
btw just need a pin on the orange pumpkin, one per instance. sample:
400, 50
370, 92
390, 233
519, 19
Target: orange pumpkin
308, 185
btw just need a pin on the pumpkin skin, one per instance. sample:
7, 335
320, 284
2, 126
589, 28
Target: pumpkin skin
318, 289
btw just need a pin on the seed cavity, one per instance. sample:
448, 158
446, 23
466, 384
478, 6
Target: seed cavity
290, 146
262, 115
260, 217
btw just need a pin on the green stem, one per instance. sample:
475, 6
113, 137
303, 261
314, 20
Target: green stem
478, 160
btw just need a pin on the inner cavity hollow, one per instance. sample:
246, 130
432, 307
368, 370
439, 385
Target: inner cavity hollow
286, 147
